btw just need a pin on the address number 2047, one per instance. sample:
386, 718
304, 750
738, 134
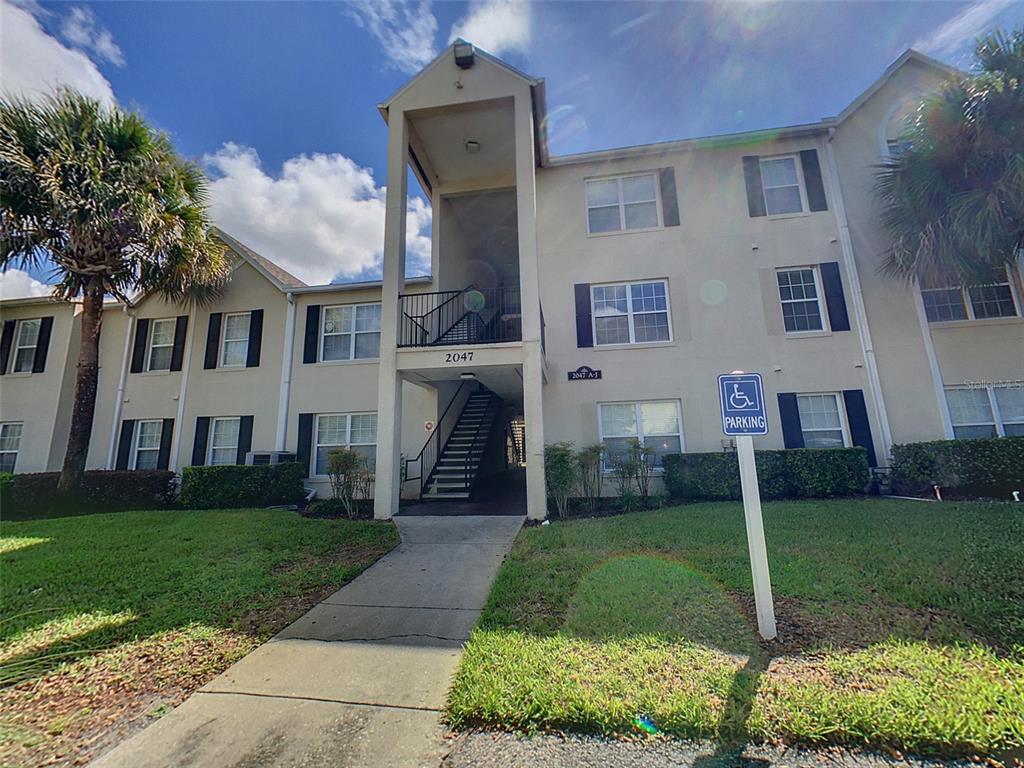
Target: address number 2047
454, 358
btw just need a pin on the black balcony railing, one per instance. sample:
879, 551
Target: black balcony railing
470, 316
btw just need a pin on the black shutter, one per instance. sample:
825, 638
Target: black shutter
789, 416
124, 443
312, 340
755, 190
139, 348
860, 427
199, 444
252, 359
669, 197
163, 459
6, 342
812, 180
212, 341
584, 328
42, 345
835, 301
178, 350
244, 438
304, 443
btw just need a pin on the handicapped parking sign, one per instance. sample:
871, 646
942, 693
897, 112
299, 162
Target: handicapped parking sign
742, 400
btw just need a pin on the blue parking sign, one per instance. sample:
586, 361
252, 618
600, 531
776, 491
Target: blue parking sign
742, 399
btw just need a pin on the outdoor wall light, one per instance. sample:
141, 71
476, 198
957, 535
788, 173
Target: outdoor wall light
464, 54
467, 376
472, 147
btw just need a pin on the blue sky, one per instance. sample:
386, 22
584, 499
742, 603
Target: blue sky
277, 100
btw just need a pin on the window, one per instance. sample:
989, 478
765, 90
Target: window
780, 180
800, 295
631, 313
10, 443
656, 425
234, 349
345, 430
986, 411
147, 444
161, 344
978, 302
821, 421
623, 203
26, 339
224, 441
897, 147
350, 332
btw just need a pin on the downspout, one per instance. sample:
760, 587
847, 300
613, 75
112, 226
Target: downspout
122, 382
933, 365
286, 374
859, 310
179, 420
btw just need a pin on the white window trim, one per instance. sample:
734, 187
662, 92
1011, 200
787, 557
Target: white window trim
844, 422
138, 434
150, 346
224, 339
622, 206
213, 432
993, 403
17, 348
17, 451
629, 314
317, 445
818, 288
805, 207
352, 342
965, 297
639, 436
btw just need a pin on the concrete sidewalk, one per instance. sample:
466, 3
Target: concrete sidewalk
360, 680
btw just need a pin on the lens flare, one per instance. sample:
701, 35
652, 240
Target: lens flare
713, 292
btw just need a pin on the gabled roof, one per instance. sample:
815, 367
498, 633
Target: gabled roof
280, 277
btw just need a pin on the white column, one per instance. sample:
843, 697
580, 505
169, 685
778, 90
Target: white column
122, 382
387, 489
284, 396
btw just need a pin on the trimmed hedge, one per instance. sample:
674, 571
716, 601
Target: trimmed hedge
791, 474
242, 485
35, 495
979, 467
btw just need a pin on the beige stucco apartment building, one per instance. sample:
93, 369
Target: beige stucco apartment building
586, 298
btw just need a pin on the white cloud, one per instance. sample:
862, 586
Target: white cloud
963, 28
322, 218
33, 63
16, 284
497, 26
80, 29
405, 30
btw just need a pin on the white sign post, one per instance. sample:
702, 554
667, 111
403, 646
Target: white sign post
743, 415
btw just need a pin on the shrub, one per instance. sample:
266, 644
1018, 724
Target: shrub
350, 478
35, 494
980, 467
241, 485
560, 474
334, 508
790, 474
6, 486
590, 480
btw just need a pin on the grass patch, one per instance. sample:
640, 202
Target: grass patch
109, 617
900, 626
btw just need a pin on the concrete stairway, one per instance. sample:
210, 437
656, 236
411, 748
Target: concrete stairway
459, 463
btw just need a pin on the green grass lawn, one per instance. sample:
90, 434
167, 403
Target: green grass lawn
901, 625
108, 617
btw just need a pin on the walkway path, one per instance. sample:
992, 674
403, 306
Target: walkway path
360, 680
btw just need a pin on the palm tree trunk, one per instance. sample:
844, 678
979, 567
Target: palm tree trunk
86, 382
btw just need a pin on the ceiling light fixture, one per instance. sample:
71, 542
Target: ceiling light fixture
472, 147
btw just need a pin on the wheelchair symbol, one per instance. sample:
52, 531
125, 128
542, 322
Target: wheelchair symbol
738, 400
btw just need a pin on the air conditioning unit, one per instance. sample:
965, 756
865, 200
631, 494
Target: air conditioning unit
269, 457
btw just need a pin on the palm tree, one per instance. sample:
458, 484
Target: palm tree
105, 200
953, 203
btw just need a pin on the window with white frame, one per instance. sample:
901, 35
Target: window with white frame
800, 296
780, 181
10, 444
657, 425
977, 302
357, 431
898, 147
631, 313
821, 420
986, 411
623, 203
224, 440
146, 452
26, 338
161, 344
350, 332
234, 348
